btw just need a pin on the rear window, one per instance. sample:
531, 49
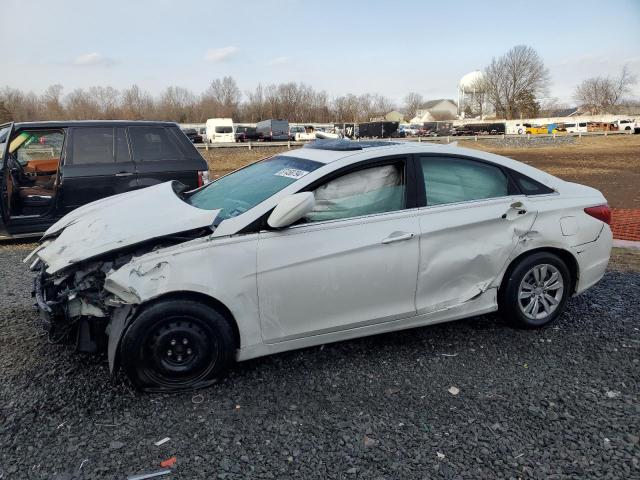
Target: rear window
224, 129
154, 144
91, 146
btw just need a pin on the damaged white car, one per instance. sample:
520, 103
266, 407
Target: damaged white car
330, 242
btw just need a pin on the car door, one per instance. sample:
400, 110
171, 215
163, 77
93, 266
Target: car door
352, 263
163, 153
472, 221
97, 164
5, 179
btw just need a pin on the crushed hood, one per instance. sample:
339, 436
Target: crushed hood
120, 221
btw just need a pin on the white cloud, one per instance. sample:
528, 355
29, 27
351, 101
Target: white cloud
93, 58
220, 54
278, 61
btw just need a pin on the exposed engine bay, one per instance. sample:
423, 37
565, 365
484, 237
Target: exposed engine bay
74, 306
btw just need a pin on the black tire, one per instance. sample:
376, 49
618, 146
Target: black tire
512, 308
177, 345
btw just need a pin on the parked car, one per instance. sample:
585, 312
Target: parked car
50, 168
273, 130
626, 125
301, 133
220, 130
246, 134
575, 127
334, 241
192, 135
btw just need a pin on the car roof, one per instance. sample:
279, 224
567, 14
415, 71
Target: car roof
373, 149
93, 123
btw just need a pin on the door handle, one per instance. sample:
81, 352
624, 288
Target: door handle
518, 207
124, 174
397, 237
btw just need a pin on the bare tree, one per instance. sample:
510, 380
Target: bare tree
80, 105
21, 106
52, 103
516, 77
136, 104
604, 94
107, 101
224, 96
412, 103
176, 104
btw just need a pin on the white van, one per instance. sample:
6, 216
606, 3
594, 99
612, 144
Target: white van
578, 127
220, 130
626, 125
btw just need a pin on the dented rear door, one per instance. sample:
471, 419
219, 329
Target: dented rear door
471, 224
464, 247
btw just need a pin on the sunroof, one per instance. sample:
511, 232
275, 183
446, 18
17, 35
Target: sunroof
343, 145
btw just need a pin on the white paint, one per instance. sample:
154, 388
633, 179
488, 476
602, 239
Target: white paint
316, 283
569, 226
118, 221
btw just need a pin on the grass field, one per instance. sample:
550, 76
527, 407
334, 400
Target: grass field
610, 164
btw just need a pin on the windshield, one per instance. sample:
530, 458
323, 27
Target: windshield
244, 189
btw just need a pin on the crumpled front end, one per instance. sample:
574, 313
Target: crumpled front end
73, 305
81, 305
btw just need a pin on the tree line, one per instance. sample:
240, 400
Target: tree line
515, 84
296, 102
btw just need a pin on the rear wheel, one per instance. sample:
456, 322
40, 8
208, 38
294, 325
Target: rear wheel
177, 345
536, 291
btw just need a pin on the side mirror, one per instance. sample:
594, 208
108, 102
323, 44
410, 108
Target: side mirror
291, 209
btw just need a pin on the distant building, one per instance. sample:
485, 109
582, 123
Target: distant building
394, 116
436, 110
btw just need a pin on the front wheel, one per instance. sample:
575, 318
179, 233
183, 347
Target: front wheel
176, 345
536, 291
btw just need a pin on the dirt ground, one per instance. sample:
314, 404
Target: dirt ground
610, 164
625, 259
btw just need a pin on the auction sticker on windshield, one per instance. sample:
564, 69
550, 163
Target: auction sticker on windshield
291, 173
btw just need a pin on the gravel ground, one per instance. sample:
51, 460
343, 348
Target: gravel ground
561, 402
524, 141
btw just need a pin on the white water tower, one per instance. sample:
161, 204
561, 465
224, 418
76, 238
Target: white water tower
470, 92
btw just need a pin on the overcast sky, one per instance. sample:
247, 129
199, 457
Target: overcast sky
385, 47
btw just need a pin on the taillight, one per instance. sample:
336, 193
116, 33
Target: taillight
203, 177
601, 212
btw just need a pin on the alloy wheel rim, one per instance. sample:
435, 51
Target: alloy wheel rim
540, 292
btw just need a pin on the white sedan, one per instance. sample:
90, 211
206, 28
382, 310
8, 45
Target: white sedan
334, 241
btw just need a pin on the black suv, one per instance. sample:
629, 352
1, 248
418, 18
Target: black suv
50, 168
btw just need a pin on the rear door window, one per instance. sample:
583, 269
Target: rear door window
154, 144
91, 146
453, 180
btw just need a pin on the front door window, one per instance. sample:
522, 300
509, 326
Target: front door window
33, 161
